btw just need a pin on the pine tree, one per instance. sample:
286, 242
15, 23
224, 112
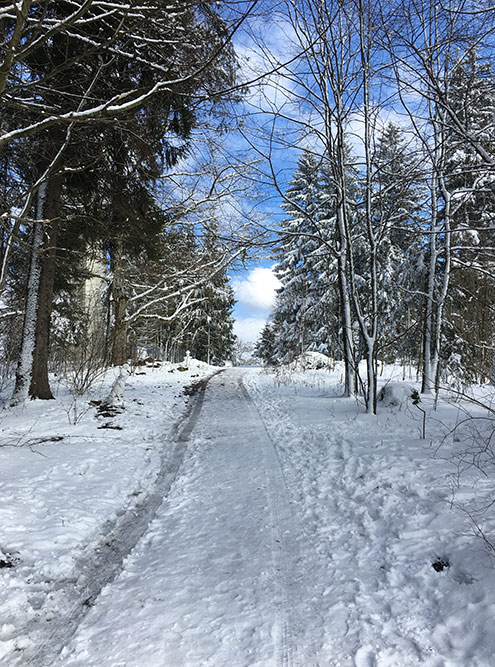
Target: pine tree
211, 325
188, 301
266, 346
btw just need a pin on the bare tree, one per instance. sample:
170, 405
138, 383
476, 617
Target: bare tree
352, 65
428, 45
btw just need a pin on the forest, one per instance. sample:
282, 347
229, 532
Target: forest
161, 502
148, 149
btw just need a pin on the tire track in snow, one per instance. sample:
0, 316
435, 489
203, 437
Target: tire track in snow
100, 565
283, 545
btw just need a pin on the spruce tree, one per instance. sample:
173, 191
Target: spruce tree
211, 335
470, 310
397, 200
299, 315
266, 346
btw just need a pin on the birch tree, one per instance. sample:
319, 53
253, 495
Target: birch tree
333, 84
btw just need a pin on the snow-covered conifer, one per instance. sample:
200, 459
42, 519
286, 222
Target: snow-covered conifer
300, 318
472, 183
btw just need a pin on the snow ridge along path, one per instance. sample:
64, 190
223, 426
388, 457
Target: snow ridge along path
214, 580
97, 567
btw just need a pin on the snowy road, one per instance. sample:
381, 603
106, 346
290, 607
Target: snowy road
214, 580
274, 524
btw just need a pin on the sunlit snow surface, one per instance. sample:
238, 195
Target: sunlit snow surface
297, 531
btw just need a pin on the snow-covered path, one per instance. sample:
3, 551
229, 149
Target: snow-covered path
214, 581
269, 523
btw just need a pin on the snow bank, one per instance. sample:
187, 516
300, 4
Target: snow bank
311, 361
395, 394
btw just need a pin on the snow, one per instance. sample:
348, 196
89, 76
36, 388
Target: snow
62, 482
116, 396
287, 527
310, 360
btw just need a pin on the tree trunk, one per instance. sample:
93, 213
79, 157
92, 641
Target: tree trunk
368, 325
40, 385
347, 333
350, 381
119, 306
428, 380
444, 289
25, 362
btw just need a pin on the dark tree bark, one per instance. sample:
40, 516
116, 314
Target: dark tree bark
119, 305
40, 385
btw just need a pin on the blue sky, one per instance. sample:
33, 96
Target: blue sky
261, 40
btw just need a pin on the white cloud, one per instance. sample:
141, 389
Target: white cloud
248, 329
355, 129
258, 289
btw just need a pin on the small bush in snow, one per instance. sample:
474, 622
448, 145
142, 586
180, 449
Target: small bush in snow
395, 394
